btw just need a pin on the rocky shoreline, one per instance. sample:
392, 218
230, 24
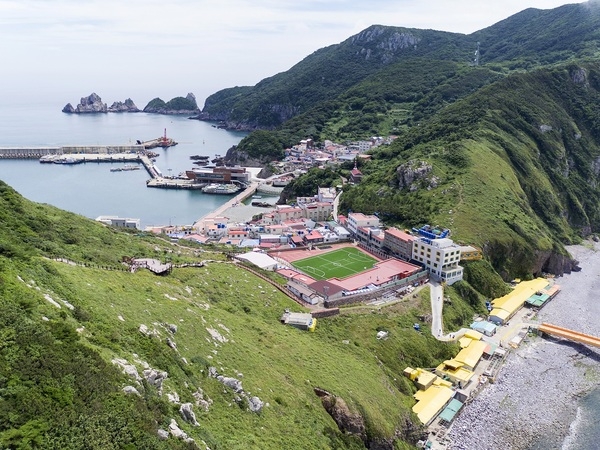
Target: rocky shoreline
535, 398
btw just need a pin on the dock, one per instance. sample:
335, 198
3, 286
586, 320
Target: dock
39, 152
218, 213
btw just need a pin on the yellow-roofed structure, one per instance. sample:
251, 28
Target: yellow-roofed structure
422, 378
475, 335
431, 402
455, 372
470, 356
504, 307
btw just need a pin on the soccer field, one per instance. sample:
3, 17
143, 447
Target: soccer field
336, 264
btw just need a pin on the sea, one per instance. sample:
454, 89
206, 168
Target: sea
91, 189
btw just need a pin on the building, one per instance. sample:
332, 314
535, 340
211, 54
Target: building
317, 211
285, 212
357, 220
484, 327
433, 396
439, 254
119, 222
398, 243
356, 175
303, 321
503, 308
259, 259
326, 194
219, 175
470, 253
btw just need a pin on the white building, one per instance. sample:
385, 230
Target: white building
119, 221
440, 257
358, 220
326, 194
259, 259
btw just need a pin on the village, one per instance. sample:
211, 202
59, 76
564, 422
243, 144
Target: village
330, 260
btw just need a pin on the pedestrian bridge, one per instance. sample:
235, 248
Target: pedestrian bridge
571, 335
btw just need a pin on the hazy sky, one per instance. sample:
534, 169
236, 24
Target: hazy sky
61, 50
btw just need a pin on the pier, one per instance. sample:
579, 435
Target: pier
218, 213
39, 152
570, 335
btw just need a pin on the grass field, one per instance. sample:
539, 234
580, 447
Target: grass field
337, 264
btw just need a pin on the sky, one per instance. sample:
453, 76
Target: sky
61, 50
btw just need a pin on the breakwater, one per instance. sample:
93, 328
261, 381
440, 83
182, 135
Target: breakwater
39, 152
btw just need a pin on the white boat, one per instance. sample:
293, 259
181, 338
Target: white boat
220, 189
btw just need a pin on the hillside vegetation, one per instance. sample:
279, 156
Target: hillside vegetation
66, 321
500, 146
513, 168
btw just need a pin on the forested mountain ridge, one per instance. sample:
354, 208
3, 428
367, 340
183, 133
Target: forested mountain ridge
515, 169
522, 41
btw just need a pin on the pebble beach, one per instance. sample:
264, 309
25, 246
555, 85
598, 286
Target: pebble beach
547, 392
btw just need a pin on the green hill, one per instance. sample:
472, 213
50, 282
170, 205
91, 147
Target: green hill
73, 316
523, 41
508, 146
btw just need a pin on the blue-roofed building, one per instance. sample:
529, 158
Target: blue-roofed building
484, 327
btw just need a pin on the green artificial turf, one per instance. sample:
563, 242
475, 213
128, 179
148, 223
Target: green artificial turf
340, 263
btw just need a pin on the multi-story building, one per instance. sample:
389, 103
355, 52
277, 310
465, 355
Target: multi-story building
360, 220
440, 256
317, 211
284, 212
398, 243
219, 175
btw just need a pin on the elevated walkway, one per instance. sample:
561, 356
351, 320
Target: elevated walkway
571, 335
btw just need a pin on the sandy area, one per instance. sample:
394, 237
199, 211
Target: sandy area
535, 399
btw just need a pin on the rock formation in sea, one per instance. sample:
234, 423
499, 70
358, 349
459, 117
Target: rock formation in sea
126, 106
178, 105
91, 104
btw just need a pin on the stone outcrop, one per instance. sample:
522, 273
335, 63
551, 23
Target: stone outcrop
90, 104
415, 174
126, 106
128, 369
235, 157
187, 414
346, 420
255, 404
131, 390
155, 377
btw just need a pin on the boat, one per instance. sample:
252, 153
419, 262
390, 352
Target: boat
68, 160
257, 196
201, 163
262, 204
199, 157
221, 189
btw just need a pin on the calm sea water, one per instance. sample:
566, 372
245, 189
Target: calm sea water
91, 189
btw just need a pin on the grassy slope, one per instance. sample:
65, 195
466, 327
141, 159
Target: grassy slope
73, 392
279, 364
